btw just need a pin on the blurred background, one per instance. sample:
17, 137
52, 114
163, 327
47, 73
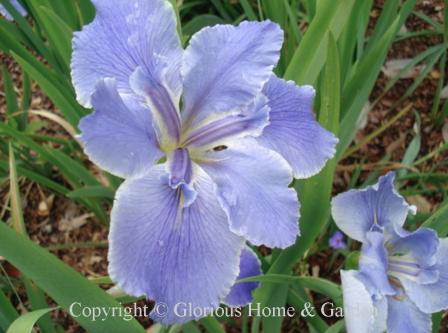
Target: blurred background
380, 70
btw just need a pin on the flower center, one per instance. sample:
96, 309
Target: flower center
180, 175
407, 267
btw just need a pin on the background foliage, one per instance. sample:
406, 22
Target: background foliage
339, 47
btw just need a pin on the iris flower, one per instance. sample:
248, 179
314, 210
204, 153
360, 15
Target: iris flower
337, 241
207, 139
403, 275
16, 5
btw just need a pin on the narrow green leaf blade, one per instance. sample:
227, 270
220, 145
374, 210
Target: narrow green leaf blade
67, 107
92, 192
336, 328
212, 325
62, 282
26, 322
16, 202
309, 58
8, 313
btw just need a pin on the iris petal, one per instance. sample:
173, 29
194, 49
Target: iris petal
162, 103
180, 171
404, 316
253, 190
241, 293
118, 136
169, 254
433, 297
225, 67
220, 132
420, 245
373, 265
123, 36
357, 211
293, 130
361, 313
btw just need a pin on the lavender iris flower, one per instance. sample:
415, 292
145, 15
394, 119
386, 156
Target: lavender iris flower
16, 5
179, 227
337, 241
403, 276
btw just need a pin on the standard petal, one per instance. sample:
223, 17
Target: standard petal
420, 245
433, 297
413, 255
123, 36
357, 211
361, 313
120, 139
163, 104
404, 316
253, 190
293, 130
241, 293
184, 257
225, 67
373, 265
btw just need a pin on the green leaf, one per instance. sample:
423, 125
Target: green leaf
35, 296
358, 22
221, 10
318, 285
273, 324
74, 172
360, 85
87, 11
13, 30
37, 300
336, 328
439, 220
26, 101
436, 322
59, 33
310, 56
201, 21
16, 203
248, 10
363, 76
62, 283
36, 177
10, 94
26, 322
190, 328
53, 91
352, 260
298, 301
275, 11
68, 12
92, 192
8, 313
32, 36
212, 325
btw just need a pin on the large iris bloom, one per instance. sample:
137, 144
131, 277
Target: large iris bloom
179, 227
403, 276
16, 5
